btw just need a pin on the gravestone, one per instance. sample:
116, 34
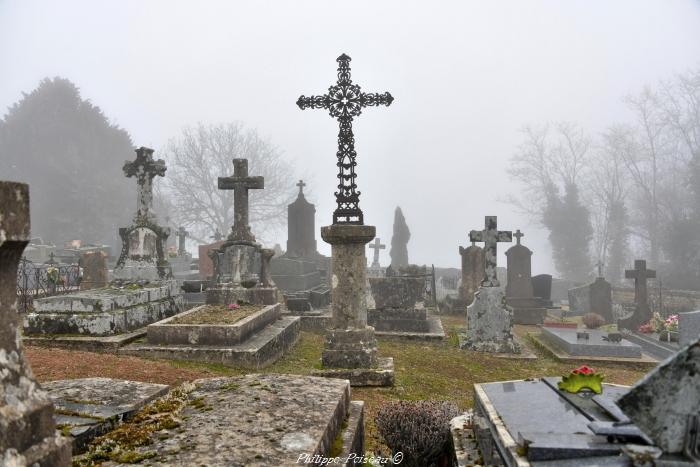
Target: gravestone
95, 273
489, 318
28, 433
301, 272
206, 265
181, 262
542, 288
472, 272
595, 297
665, 404
143, 243
350, 350
239, 262
688, 327
527, 309
642, 312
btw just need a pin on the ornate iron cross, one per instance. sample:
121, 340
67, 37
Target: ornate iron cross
345, 101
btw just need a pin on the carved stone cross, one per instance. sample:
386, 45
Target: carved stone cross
518, 235
490, 236
240, 183
345, 101
144, 168
301, 186
376, 246
600, 265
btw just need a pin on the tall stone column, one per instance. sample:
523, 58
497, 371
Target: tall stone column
28, 433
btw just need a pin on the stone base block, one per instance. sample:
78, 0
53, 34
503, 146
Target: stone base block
380, 375
531, 316
435, 331
49, 452
489, 323
86, 343
102, 322
223, 295
503, 346
352, 348
398, 320
297, 283
260, 350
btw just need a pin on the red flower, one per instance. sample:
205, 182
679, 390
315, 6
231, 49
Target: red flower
583, 370
233, 306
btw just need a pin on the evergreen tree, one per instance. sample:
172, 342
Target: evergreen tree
72, 158
570, 232
399, 241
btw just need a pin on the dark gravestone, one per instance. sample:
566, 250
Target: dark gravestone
642, 312
542, 287
94, 264
592, 298
519, 292
28, 433
301, 227
688, 327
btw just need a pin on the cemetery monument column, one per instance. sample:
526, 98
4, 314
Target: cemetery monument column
351, 348
28, 433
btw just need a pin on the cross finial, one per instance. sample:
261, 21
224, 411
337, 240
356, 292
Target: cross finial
181, 235
144, 168
600, 265
301, 186
491, 236
240, 183
345, 101
518, 235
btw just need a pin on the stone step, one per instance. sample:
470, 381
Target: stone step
260, 350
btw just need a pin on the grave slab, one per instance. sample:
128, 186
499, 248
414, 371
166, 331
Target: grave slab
89, 407
381, 374
260, 420
595, 345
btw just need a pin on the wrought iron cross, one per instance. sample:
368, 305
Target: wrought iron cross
144, 168
345, 101
491, 237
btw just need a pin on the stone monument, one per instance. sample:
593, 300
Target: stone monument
302, 272
642, 312
527, 309
95, 273
376, 246
489, 319
595, 297
28, 433
350, 350
143, 243
472, 272
240, 267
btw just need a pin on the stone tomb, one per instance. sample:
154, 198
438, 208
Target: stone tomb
261, 420
28, 433
396, 312
597, 344
527, 309
104, 312
254, 341
90, 407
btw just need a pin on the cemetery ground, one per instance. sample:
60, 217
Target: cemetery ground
424, 369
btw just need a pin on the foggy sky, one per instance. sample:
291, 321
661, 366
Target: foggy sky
466, 76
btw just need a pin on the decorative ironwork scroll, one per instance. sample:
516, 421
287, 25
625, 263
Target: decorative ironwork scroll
345, 101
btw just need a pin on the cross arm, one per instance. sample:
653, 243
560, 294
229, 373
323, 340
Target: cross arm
505, 236
476, 236
230, 183
313, 102
374, 99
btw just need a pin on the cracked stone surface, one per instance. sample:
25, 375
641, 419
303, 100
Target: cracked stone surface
489, 323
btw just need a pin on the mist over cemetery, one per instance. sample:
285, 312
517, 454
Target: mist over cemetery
213, 298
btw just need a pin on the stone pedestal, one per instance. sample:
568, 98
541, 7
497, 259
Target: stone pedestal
351, 345
28, 433
489, 323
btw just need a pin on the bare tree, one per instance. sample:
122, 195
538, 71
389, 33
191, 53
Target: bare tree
200, 155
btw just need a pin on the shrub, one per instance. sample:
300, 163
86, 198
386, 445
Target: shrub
418, 429
593, 320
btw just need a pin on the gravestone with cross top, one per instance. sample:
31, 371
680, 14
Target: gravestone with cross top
144, 168
491, 237
376, 246
642, 312
240, 183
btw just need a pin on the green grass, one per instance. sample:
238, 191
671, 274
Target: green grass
428, 370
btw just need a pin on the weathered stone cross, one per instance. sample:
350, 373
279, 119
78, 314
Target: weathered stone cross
301, 186
518, 235
640, 274
345, 101
144, 168
181, 235
240, 183
600, 265
376, 246
490, 236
